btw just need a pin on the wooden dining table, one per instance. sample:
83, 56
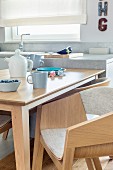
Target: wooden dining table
25, 98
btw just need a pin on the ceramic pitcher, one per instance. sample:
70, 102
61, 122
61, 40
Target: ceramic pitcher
19, 65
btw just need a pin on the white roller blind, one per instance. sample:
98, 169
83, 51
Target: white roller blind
29, 12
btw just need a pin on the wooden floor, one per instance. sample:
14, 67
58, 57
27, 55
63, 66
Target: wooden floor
8, 162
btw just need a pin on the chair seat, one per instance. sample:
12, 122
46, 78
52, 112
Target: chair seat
55, 140
4, 119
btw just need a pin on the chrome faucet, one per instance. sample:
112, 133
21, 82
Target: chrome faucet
21, 45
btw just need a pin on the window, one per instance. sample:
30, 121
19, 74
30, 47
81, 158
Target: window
55, 19
69, 32
42, 12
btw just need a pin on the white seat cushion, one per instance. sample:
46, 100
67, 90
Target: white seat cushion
4, 119
55, 140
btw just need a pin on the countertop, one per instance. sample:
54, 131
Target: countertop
76, 60
73, 56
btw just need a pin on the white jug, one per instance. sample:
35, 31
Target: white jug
19, 65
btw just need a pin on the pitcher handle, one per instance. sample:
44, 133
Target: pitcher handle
30, 65
28, 79
41, 62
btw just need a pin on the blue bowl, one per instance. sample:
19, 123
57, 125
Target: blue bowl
9, 85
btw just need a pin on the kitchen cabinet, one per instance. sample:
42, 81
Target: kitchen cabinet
109, 72
3, 64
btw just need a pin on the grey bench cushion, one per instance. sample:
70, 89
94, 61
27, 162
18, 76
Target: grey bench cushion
4, 119
55, 140
98, 100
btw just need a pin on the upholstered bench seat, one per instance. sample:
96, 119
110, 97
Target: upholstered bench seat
55, 140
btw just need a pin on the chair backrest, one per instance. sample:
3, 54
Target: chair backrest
63, 112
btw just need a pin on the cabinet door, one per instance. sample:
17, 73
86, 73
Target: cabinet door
3, 64
109, 72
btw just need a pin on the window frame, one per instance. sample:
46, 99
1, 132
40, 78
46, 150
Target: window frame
45, 37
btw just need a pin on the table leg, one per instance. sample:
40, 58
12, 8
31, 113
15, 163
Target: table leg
20, 124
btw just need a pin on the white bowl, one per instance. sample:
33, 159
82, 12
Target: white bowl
9, 85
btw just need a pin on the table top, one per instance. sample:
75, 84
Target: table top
26, 94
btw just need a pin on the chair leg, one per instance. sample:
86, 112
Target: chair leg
5, 134
93, 164
39, 161
68, 159
97, 163
111, 157
90, 164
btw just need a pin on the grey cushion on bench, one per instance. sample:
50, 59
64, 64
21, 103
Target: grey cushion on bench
105, 100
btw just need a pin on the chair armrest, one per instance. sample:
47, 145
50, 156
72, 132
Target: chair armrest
92, 132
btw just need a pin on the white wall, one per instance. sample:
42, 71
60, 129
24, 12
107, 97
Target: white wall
90, 32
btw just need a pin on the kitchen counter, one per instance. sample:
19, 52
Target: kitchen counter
77, 60
80, 60
87, 61
73, 56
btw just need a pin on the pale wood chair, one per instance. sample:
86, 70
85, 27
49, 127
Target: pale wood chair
5, 123
66, 134
95, 83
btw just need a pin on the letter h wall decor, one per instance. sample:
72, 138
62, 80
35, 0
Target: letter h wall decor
102, 14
